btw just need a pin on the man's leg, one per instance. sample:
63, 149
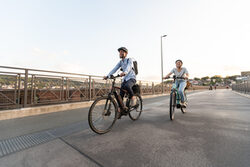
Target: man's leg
128, 86
181, 89
123, 87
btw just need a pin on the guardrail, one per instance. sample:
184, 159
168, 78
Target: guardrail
22, 87
243, 87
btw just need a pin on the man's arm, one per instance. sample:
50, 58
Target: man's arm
114, 69
167, 76
186, 74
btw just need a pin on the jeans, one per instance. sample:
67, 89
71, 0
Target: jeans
127, 85
181, 84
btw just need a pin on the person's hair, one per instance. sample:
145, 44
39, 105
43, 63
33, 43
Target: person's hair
179, 61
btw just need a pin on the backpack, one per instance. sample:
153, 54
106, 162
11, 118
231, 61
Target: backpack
135, 67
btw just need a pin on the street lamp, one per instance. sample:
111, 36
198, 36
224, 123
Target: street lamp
162, 64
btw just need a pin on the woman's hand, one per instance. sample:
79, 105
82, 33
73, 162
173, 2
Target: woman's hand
122, 74
166, 77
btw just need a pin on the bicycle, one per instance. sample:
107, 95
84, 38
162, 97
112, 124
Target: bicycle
103, 112
175, 99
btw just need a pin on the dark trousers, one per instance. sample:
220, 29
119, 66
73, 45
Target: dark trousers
127, 85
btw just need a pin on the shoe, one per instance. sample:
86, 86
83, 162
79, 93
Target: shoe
133, 102
183, 104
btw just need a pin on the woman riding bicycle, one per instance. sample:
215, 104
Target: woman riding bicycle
180, 71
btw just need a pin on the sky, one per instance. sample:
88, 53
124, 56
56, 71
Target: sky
211, 37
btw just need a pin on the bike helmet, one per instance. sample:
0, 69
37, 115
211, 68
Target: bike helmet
123, 48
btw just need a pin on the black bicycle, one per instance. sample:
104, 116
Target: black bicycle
175, 99
107, 109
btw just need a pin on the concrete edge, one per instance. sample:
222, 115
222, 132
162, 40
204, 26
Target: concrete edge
32, 111
242, 94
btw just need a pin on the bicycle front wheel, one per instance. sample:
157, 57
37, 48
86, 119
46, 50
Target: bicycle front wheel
172, 105
102, 115
135, 113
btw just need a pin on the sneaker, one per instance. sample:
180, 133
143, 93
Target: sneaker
183, 104
133, 102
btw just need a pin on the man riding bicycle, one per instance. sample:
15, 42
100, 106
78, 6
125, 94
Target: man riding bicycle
129, 80
180, 71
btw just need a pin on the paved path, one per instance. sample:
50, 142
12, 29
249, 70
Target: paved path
213, 132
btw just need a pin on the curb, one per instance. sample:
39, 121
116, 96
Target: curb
242, 94
32, 111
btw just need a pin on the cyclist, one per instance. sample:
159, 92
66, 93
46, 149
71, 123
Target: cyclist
180, 71
129, 80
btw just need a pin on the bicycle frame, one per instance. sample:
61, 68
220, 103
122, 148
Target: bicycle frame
175, 89
117, 96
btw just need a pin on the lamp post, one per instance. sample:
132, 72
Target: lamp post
162, 64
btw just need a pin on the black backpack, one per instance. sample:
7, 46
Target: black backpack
135, 67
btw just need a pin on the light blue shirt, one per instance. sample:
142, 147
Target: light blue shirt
127, 66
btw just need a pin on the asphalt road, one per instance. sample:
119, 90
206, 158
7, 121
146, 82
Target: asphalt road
213, 132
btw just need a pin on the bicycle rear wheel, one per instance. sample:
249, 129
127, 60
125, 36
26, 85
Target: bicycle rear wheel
102, 115
183, 110
172, 105
135, 113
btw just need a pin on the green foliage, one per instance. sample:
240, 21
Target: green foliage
197, 79
205, 78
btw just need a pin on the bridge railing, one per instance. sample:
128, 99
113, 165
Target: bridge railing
22, 87
243, 87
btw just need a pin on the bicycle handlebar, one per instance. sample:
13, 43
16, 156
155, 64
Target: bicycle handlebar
174, 77
113, 77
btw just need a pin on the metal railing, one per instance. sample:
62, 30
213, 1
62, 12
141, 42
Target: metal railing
22, 87
243, 87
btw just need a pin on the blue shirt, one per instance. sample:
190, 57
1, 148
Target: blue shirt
127, 67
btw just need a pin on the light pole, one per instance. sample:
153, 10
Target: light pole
162, 64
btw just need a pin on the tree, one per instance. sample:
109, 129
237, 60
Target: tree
197, 79
217, 78
205, 78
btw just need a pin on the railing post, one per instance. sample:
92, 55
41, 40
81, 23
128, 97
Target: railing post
25, 88
93, 87
147, 88
15, 95
67, 89
19, 90
62, 90
89, 88
245, 87
153, 88
35, 96
32, 82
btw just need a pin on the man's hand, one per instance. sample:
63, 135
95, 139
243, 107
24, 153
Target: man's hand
166, 77
105, 77
186, 78
122, 74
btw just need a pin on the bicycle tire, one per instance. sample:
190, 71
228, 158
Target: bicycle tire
172, 105
136, 116
94, 105
183, 110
